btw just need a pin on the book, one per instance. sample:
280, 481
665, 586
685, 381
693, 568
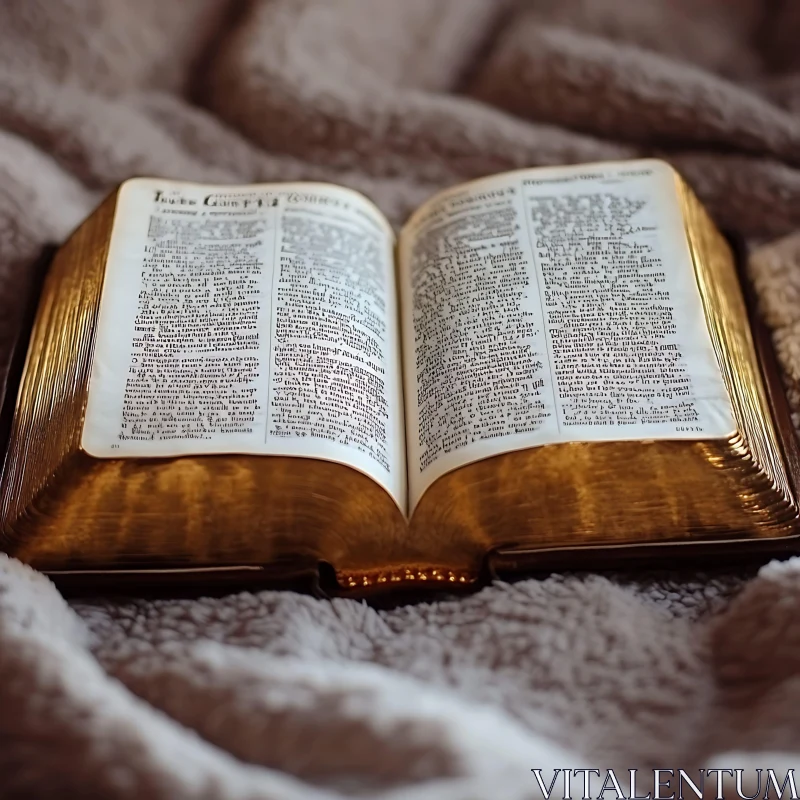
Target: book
552, 366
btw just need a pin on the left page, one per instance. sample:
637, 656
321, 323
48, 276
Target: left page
258, 320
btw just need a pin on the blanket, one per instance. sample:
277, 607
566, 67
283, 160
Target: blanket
280, 695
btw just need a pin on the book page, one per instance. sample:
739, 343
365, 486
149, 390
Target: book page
553, 305
258, 319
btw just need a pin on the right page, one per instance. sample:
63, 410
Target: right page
553, 305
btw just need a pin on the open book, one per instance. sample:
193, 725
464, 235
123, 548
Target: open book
263, 378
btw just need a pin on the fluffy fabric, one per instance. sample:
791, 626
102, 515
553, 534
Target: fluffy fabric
278, 695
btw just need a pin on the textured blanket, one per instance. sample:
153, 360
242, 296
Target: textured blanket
279, 695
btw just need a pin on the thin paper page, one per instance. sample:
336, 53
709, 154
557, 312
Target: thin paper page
553, 305
258, 319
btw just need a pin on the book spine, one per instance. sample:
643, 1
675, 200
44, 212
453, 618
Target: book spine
418, 576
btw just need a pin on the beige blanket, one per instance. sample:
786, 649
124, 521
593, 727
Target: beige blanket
278, 695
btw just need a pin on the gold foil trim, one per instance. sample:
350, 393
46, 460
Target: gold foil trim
363, 580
